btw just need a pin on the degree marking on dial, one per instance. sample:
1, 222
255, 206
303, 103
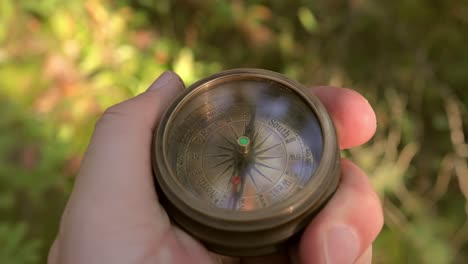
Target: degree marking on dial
267, 148
261, 173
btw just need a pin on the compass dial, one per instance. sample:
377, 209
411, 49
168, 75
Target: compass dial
282, 134
241, 153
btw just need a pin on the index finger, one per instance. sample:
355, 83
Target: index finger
352, 115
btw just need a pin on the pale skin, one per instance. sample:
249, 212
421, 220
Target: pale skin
113, 214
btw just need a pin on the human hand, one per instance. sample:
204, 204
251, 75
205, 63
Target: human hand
113, 214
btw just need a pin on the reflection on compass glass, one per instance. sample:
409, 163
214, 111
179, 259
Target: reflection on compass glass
245, 144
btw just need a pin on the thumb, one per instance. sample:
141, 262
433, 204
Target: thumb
118, 160
114, 190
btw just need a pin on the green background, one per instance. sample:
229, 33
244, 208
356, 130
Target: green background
63, 62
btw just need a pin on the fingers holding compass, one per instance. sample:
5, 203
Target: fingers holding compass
349, 111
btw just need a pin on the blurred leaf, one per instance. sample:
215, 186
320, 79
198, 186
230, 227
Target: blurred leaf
63, 25
14, 248
308, 20
6, 200
184, 65
6, 13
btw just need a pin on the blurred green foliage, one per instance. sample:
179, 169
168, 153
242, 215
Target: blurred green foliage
63, 62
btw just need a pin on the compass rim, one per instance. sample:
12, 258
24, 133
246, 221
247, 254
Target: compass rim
261, 219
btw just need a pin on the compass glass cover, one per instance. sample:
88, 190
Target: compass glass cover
243, 144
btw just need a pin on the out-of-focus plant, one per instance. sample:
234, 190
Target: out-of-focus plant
63, 62
16, 247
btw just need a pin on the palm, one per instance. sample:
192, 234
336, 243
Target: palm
166, 243
172, 245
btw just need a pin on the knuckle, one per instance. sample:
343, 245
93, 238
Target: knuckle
139, 111
111, 114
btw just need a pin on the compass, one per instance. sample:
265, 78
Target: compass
244, 159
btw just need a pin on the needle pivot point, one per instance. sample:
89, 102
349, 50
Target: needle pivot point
244, 144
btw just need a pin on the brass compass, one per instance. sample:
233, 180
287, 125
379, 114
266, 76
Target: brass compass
244, 159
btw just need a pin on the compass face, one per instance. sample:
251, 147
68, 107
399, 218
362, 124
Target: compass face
243, 145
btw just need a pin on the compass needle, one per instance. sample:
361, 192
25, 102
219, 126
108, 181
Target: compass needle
228, 183
245, 154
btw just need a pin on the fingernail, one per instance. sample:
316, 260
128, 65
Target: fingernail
341, 245
163, 80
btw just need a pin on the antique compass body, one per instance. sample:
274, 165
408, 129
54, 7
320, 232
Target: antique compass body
244, 159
